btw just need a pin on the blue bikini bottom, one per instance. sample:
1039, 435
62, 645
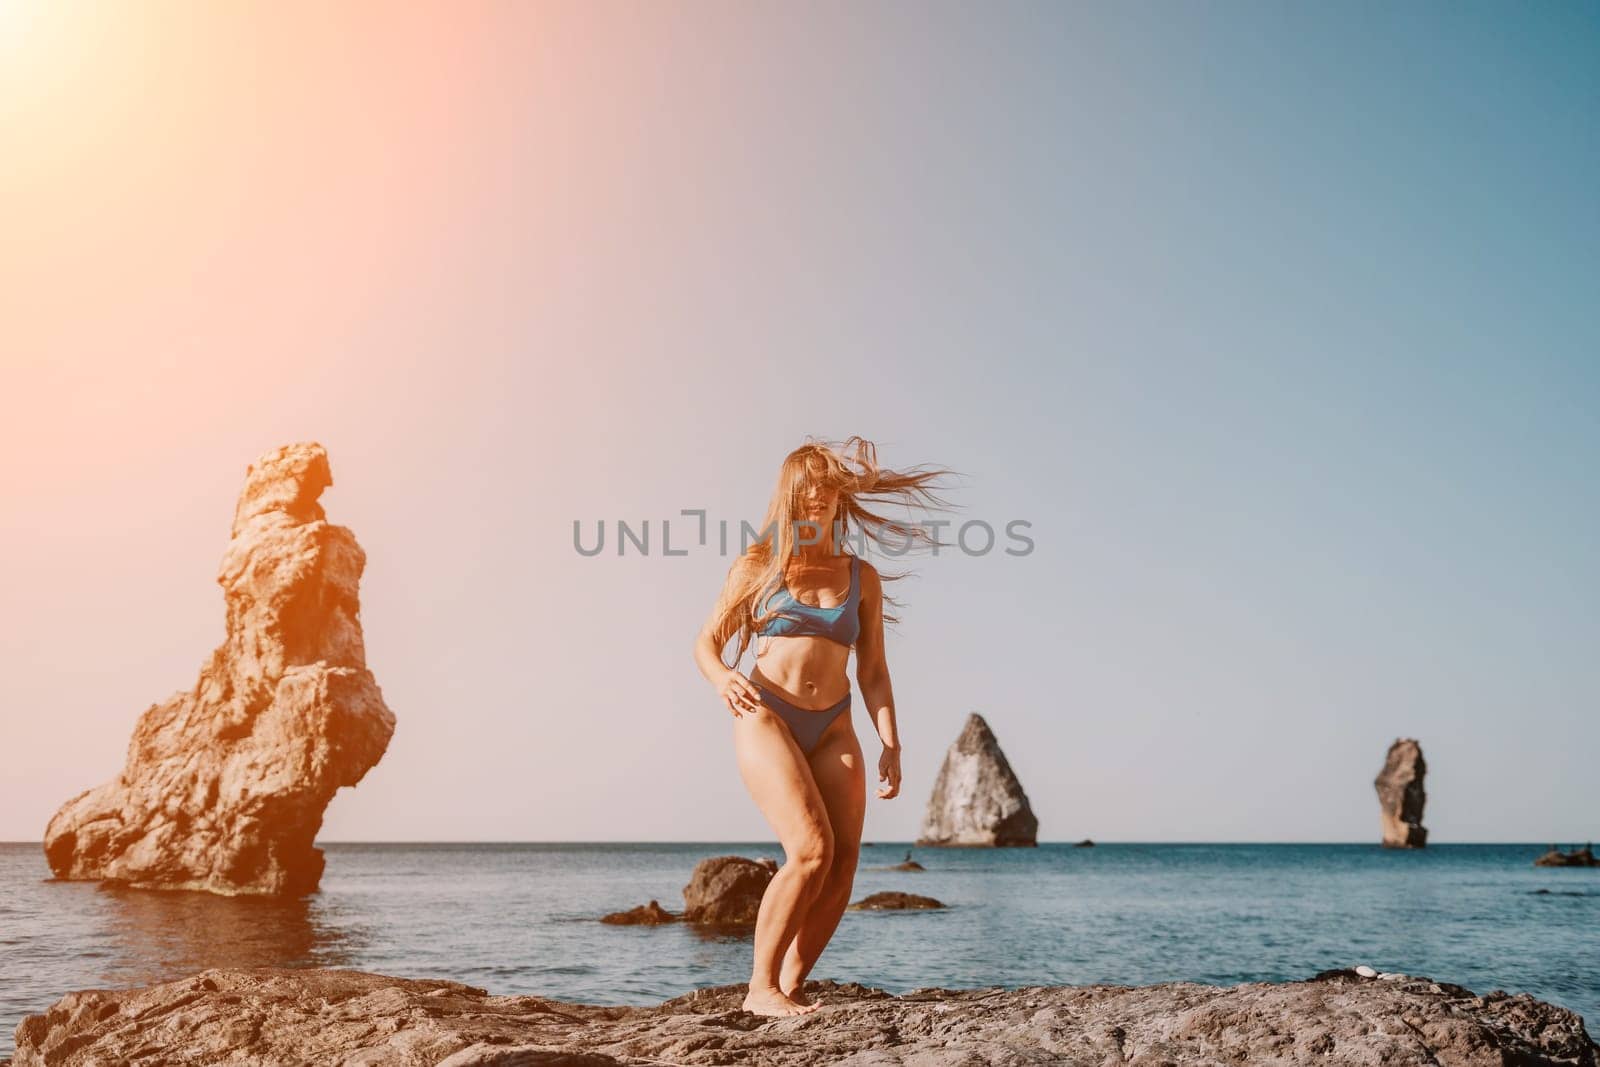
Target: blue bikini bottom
806, 725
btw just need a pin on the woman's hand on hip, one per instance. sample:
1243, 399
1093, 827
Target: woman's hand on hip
889, 771
739, 693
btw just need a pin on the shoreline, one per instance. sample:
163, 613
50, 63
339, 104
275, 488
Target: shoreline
270, 1016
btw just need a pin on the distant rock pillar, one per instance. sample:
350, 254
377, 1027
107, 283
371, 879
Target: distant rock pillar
1400, 795
977, 800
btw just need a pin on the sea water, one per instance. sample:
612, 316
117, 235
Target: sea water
523, 918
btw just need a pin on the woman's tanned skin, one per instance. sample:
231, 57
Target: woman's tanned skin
815, 804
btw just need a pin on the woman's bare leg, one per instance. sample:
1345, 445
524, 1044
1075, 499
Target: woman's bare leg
838, 770
778, 777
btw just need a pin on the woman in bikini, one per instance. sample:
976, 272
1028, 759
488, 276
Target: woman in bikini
810, 602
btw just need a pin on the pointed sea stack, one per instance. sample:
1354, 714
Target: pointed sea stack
977, 800
225, 785
1400, 795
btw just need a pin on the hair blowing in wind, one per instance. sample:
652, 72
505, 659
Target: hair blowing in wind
852, 469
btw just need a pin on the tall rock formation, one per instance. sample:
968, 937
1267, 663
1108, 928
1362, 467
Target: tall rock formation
225, 785
977, 799
1400, 795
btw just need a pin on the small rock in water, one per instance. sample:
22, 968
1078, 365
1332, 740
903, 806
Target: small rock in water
1583, 857
727, 890
1366, 972
651, 914
894, 902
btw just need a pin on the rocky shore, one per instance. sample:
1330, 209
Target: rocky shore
271, 1017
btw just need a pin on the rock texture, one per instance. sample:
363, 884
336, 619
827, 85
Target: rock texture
727, 890
977, 800
1400, 795
274, 1017
225, 785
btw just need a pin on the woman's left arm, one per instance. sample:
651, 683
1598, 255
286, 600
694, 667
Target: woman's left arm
872, 675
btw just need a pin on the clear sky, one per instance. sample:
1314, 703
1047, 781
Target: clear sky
1278, 322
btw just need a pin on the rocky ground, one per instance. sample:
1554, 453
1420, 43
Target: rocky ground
271, 1017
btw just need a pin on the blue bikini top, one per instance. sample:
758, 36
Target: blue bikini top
841, 624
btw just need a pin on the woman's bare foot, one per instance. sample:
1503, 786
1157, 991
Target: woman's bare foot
798, 995
773, 1002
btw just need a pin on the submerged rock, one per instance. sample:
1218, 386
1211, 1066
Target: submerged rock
651, 914
727, 890
977, 800
269, 1018
1583, 857
1400, 795
225, 785
895, 902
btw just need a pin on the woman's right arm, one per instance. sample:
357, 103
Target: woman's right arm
736, 690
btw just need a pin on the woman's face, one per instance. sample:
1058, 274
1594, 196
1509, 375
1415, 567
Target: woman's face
817, 504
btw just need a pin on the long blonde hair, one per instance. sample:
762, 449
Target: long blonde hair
858, 480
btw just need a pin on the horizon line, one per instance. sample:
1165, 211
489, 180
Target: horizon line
1542, 843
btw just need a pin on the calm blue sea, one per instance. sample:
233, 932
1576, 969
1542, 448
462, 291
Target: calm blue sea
520, 918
